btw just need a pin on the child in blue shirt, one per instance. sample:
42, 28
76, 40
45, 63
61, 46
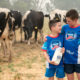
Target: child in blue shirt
53, 41
71, 32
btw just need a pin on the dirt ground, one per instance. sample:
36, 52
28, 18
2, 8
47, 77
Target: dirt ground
28, 62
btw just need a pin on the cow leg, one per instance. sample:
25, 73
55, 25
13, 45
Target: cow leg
7, 45
25, 37
11, 51
36, 32
21, 33
15, 36
9, 48
41, 34
4, 47
29, 42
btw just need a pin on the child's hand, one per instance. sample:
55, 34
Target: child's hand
63, 50
52, 62
45, 39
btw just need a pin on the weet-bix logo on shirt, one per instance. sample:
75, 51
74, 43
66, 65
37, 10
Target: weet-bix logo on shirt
70, 36
55, 44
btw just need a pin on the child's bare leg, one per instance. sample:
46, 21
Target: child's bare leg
51, 78
70, 76
78, 75
60, 78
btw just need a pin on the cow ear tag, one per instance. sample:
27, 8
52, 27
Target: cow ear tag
36, 27
57, 19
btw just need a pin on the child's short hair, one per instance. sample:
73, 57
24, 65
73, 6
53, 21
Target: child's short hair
72, 14
53, 22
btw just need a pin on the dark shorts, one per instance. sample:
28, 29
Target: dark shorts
71, 68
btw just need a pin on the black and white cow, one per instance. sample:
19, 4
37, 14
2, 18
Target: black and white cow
17, 22
58, 12
33, 21
6, 30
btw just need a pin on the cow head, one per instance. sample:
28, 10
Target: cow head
57, 17
28, 28
18, 18
59, 13
11, 24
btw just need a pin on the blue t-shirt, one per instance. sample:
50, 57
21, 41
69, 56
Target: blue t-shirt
50, 46
71, 43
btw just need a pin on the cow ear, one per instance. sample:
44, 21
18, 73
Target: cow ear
60, 15
10, 14
56, 15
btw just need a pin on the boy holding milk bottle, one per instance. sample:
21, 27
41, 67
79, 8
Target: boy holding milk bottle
53, 51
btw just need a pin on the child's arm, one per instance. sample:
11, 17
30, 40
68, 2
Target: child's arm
47, 58
44, 48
